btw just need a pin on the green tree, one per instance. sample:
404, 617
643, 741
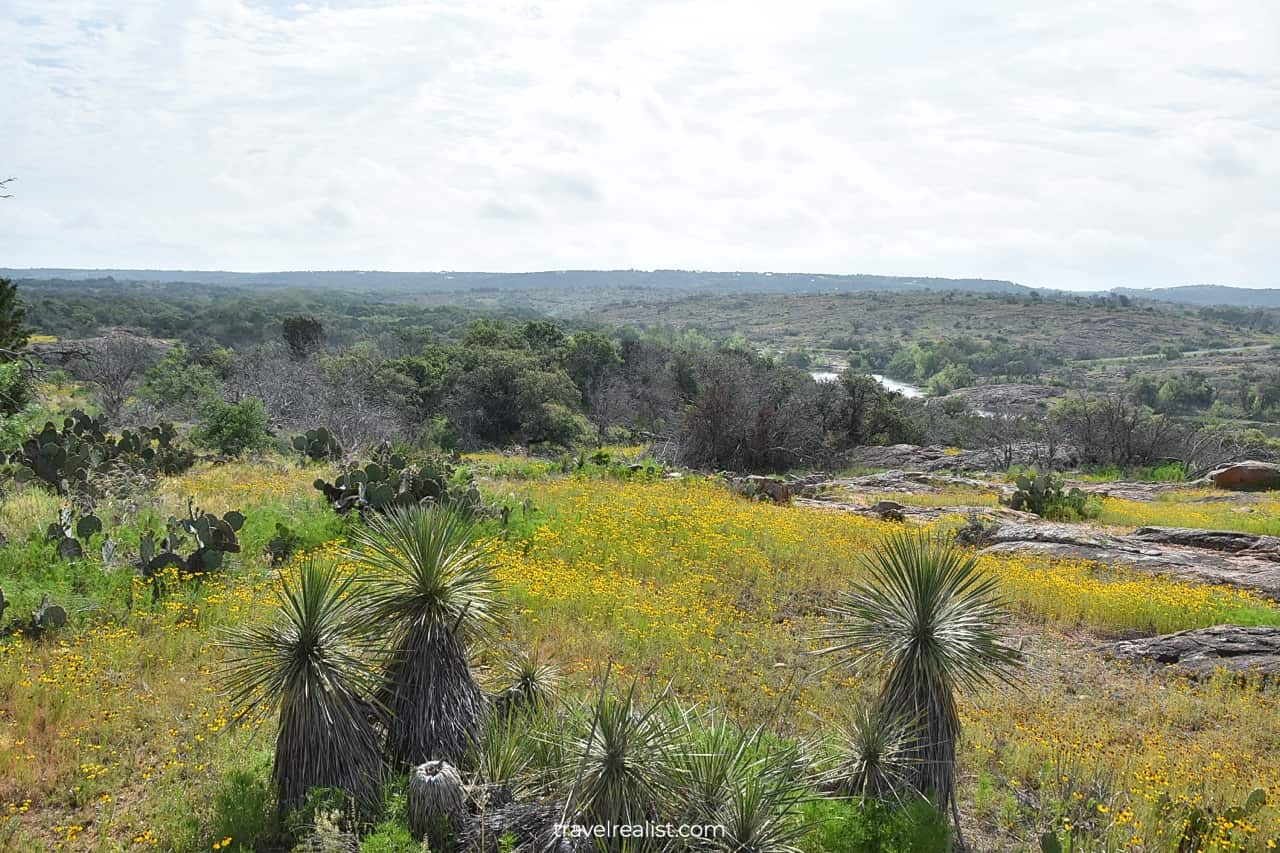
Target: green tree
590, 357
177, 382
233, 428
13, 331
867, 414
303, 334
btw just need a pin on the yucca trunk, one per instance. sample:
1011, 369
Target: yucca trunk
434, 701
314, 750
932, 752
437, 806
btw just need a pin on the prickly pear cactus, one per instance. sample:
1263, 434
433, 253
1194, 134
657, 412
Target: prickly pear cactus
48, 616
69, 535
67, 457
317, 444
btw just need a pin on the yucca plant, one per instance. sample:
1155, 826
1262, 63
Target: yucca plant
311, 664
534, 684
927, 618
746, 781
430, 586
621, 760
874, 755
500, 755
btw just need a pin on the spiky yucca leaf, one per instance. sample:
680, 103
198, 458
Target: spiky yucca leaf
927, 618
430, 584
501, 751
310, 663
427, 566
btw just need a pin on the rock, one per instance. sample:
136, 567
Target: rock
912, 482
1199, 652
1064, 541
940, 458
758, 486
887, 506
1249, 475
920, 513
1010, 398
1230, 541
437, 803
1145, 492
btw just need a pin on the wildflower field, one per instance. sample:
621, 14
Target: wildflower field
115, 734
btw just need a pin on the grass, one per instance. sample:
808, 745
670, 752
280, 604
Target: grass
114, 736
1260, 514
1171, 473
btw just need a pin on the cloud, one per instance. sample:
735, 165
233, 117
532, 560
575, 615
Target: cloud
1066, 144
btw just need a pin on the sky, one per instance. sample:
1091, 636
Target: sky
1070, 143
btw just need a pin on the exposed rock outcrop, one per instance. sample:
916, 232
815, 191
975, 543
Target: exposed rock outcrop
1230, 541
1010, 398
1146, 492
760, 487
940, 458
1250, 475
1241, 569
1199, 652
911, 482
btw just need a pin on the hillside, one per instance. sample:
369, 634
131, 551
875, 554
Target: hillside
435, 282
1068, 327
1208, 294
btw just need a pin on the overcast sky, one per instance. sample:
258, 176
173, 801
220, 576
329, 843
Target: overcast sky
1060, 143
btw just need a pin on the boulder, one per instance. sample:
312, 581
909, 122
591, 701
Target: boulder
1249, 475
758, 486
1201, 651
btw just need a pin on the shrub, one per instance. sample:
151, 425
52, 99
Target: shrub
390, 836
233, 428
872, 826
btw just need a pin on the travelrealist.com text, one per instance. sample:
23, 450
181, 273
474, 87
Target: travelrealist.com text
648, 829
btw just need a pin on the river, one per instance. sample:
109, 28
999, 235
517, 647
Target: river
892, 384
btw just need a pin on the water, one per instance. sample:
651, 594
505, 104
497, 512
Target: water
892, 384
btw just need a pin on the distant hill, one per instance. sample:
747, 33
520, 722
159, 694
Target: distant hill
679, 280
1207, 294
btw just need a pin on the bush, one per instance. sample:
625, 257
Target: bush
850, 826
233, 428
390, 836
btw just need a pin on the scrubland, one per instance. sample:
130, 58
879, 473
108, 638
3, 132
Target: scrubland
115, 735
